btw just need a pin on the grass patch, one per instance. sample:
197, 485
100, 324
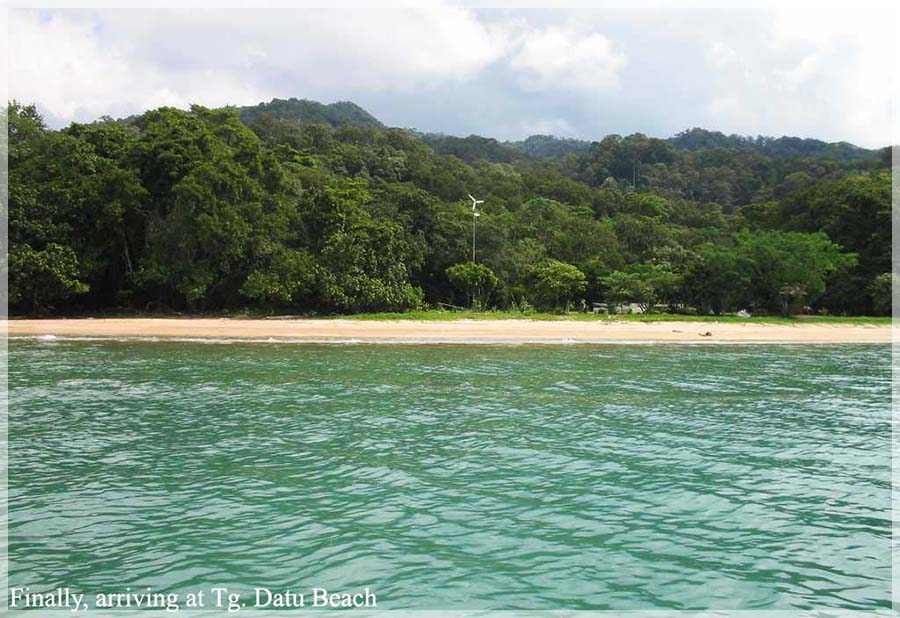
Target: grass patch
634, 317
451, 316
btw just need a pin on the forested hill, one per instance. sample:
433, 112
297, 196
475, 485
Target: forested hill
202, 211
548, 146
337, 114
474, 147
778, 147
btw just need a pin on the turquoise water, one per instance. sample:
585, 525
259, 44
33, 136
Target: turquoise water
607, 477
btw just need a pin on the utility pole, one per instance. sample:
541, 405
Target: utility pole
475, 213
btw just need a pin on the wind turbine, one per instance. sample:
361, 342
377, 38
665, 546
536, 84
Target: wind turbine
475, 213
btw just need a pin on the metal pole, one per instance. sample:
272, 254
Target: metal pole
473, 235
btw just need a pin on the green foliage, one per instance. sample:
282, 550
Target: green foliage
296, 206
282, 277
364, 262
718, 280
644, 284
471, 149
336, 114
548, 146
881, 290
788, 268
855, 213
42, 279
553, 284
476, 281
781, 147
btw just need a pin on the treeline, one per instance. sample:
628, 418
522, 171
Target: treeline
199, 211
303, 110
730, 177
777, 147
548, 146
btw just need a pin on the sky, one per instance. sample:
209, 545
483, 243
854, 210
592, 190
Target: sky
461, 70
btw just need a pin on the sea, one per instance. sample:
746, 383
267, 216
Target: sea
444, 477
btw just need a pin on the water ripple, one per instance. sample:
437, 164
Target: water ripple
613, 477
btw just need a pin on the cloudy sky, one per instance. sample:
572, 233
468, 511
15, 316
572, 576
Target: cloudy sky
505, 73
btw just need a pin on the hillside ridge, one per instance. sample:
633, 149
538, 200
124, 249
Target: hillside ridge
348, 113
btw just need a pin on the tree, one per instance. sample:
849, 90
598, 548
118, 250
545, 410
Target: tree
476, 281
855, 213
881, 290
42, 279
718, 280
69, 189
554, 284
789, 267
596, 270
287, 276
513, 266
624, 287
644, 284
641, 236
364, 262
306, 207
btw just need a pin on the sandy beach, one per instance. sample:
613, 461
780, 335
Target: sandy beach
460, 331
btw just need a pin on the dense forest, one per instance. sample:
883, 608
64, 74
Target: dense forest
293, 206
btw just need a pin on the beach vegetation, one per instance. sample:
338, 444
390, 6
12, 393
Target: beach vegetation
474, 280
297, 208
555, 285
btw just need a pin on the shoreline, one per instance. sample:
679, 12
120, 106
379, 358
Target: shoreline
463, 331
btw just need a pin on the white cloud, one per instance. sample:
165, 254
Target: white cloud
61, 64
804, 70
436, 66
723, 105
821, 73
559, 127
555, 59
855, 54
84, 64
721, 55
